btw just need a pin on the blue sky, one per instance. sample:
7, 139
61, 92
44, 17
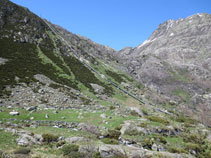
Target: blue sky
115, 23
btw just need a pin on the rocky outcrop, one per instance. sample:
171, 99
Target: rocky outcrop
175, 62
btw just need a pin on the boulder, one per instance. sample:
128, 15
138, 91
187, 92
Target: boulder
97, 88
32, 108
136, 110
103, 116
110, 151
154, 147
14, 113
26, 140
89, 128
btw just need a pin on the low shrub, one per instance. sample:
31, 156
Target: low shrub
75, 155
176, 150
196, 138
112, 107
143, 125
109, 141
61, 143
145, 112
134, 132
161, 139
134, 113
147, 143
22, 151
97, 155
114, 134
158, 119
69, 149
118, 128
184, 119
48, 138
193, 147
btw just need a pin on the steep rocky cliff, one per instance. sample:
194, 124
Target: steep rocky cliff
175, 61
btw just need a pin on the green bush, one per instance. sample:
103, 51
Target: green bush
48, 138
158, 119
97, 155
114, 134
134, 132
192, 146
145, 112
109, 141
134, 113
69, 149
61, 143
118, 128
143, 125
177, 150
75, 155
184, 119
147, 143
112, 107
196, 138
161, 139
22, 151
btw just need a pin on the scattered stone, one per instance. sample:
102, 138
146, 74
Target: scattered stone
103, 116
108, 151
154, 147
26, 140
136, 110
97, 88
89, 128
46, 116
32, 108
14, 113
31, 118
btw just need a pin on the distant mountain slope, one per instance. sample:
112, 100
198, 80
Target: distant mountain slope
176, 61
32, 54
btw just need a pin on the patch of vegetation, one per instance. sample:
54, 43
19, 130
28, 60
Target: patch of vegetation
177, 150
97, 155
145, 112
69, 149
115, 76
48, 138
109, 141
184, 119
114, 134
193, 147
7, 140
134, 132
184, 95
180, 76
143, 125
22, 151
85, 76
85, 101
158, 119
23, 62
147, 143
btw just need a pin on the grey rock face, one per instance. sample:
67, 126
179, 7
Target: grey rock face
175, 61
2, 61
26, 140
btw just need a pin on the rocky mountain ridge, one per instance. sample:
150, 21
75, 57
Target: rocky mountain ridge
56, 101
175, 61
